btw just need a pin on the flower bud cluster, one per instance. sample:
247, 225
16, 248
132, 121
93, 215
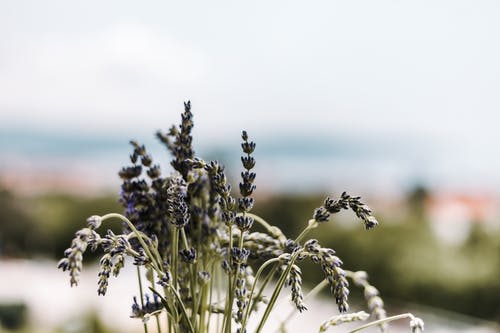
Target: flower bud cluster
247, 186
188, 255
372, 296
145, 198
149, 305
261, 245
330, 264
330, 206
203, 277
416, 325
218, 183
295, 282
105, 266
181, 147
343, 318
73, 256
178, 208
166, 278
240, 293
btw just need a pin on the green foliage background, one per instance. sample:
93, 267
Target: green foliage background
402, 256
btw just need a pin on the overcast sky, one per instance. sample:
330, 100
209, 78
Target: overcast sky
401, 69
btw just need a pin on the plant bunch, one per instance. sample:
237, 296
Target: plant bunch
194, 243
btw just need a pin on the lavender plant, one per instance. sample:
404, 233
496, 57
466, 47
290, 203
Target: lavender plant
194, 248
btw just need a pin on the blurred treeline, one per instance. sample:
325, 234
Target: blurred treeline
403, 257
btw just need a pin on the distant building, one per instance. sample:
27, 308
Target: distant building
451, 215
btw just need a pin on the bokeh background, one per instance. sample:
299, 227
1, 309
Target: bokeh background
395, 101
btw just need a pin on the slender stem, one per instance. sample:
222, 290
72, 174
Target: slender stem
139, 235
192, 279
141, 294
312, 223
275, 231
263, 286
183, 309
257, 275
158, 327
156, 313
184, 238
203, 293
277, 291
320, 286
237, 272
199, 232
173, 311
384, 320
184, 312
219, 287
228, 312
175, 252
157, 266
212, 281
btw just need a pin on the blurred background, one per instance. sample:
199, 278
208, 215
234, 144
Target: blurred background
395, 101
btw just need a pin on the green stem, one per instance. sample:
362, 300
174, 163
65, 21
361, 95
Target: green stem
157, 313
257, 275
175, 252
219, 287
141, 294
192, 279
139, 235
184, 312
277, 290
312, 223
183, 309
228, 312
158, 323
320, 286
212, 281
274, 231
171, 310
236, 273
203, 298
263, 286
384, 320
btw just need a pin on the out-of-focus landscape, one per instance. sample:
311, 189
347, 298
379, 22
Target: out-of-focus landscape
433, 250
395, 102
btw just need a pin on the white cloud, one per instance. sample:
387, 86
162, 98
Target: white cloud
123, 69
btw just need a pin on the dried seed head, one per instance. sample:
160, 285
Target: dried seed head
94, 222
150, 305
244, 223
417, 325
165, 279
119, 264
140, 258
130, 172
239, 256
73, 256
203, 277
343, 318
321, 214
330, 206
178, 208
295, 282
105, 265
248, 162
188, 255
371, 294
330, 264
